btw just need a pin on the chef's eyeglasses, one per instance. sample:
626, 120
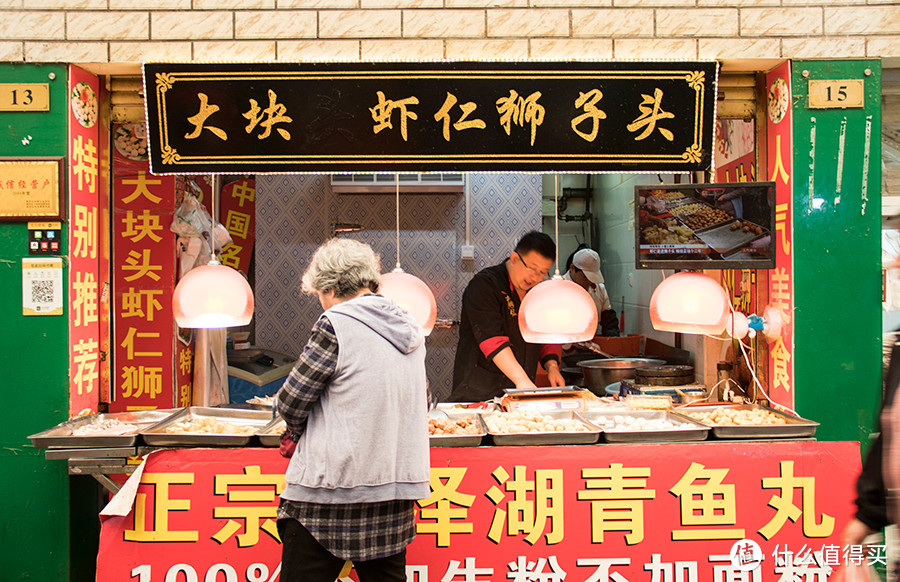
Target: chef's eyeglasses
541, 274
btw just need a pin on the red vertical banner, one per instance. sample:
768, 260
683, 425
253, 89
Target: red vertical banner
735, 151
84, 241
237, 212
143, 279
781, 285
735, 155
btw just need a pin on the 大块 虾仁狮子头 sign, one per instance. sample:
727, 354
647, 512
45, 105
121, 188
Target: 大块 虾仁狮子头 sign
426, 117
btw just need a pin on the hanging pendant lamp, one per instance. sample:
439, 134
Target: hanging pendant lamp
557, 311
408, 291
689, 302
213, 295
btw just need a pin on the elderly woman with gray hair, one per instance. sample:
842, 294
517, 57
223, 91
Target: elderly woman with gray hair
357, 398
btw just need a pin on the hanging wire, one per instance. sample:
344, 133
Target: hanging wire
556, 219
756, 381
397, 180
216, 181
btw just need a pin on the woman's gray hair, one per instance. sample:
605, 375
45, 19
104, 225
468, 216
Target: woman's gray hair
344, 266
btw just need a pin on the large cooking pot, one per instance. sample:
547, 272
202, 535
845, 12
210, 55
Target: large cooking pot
598, 374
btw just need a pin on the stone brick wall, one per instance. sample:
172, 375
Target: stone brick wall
131, 31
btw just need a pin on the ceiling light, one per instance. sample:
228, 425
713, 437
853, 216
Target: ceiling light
689, 302
557, 311
212, 295
408, 291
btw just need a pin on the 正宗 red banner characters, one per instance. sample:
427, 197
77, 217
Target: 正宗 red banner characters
706, 512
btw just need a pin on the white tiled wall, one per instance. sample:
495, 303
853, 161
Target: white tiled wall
294, 215
129, 31
614, 201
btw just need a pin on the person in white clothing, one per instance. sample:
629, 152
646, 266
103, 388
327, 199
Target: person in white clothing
583, 267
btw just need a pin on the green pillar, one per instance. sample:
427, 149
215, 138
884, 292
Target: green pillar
34, 493
837, 260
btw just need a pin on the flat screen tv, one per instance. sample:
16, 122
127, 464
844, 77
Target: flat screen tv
705, 226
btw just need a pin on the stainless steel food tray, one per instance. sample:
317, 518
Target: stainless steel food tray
61, 435
460, 440
588, 437
680, 201
270, 435
697, 431
156, 435
722, 239
260, 405
794, 427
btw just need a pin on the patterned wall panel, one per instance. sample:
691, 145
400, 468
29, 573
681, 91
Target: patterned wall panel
294, 216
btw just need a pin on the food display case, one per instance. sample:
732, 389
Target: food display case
270, 435
645, 426
743, 421
119, 429
456, 428
105, 444
553, 427
210, 427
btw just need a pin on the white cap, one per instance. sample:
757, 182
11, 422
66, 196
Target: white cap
588, 261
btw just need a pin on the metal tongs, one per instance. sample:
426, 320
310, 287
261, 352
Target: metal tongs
591, 346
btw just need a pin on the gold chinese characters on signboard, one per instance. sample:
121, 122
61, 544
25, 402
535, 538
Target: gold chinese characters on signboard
30, 189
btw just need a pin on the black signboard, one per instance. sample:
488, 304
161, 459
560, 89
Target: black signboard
430, 117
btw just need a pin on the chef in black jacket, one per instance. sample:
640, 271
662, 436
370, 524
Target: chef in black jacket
491, 354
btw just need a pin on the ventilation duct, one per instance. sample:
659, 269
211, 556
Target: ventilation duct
386, 183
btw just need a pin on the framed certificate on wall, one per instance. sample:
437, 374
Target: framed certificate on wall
32, 189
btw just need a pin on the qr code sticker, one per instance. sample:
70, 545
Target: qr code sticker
42, 291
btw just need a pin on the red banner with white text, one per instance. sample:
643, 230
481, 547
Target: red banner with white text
704, 512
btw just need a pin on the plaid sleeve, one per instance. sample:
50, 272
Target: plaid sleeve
309, 377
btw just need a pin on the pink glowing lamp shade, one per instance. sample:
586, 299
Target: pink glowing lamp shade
212, 296
557, 312
413, 295
689, 302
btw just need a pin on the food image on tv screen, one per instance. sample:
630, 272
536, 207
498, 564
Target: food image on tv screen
713, 226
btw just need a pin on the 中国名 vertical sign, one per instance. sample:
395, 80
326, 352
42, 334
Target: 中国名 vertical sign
237, 212
430, 117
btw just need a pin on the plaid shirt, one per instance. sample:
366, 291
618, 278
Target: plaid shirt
350, 531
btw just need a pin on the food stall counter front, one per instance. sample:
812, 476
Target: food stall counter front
722, 502
728, 510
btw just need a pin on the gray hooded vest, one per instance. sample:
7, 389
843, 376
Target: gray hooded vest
366, 439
